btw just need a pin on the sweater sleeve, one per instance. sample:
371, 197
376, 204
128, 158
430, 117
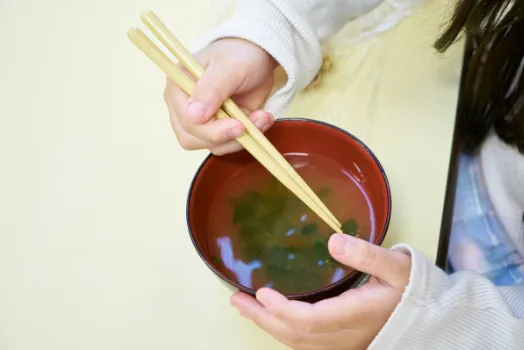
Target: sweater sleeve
460, 311
292, 31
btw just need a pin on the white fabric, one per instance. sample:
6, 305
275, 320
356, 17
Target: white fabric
462, 311
292, 32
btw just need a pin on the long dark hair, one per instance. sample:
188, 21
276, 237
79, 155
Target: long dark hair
493, 90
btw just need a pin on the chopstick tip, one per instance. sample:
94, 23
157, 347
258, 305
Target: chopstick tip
134, 33
145, 14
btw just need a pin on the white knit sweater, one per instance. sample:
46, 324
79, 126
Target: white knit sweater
462, 311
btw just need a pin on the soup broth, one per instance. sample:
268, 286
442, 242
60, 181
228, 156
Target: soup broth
261, 234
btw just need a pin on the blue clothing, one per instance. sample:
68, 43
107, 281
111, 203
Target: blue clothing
478, 241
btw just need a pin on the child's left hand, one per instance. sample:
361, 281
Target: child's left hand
348, 322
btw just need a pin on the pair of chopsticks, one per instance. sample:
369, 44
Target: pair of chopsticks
252, 140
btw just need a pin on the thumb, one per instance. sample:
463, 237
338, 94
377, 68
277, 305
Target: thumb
211, 90
391, 267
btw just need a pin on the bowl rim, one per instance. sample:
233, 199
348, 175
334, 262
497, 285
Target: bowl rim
350, 277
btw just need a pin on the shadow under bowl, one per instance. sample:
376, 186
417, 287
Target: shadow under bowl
292, 136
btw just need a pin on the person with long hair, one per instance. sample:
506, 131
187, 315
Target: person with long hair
408, 302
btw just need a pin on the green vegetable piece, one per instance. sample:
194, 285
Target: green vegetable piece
277, 256
253, 251
332, 263
248, 232
245, 207
350, 227
309, 229
274, 187
307, 279
262, 219
280, 278
277, 225
215, 259
320, 251
253, 206
267, 208
275, 272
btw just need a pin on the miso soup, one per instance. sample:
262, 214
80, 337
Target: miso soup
261, 234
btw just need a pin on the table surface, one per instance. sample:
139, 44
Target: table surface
94, 250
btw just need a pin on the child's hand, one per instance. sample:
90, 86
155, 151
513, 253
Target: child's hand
350, 321
233, 68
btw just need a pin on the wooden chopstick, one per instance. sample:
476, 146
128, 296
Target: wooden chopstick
187, 85
160, 30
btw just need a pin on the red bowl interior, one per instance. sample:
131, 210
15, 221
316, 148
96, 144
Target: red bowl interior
290, 135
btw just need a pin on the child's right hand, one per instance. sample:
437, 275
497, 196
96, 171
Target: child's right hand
233, 68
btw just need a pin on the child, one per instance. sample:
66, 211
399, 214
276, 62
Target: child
409, 303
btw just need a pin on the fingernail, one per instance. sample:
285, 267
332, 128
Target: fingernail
337, 243
268, 123
240, 308
244, 314
196, 110
259, 122
235, 301
235, 132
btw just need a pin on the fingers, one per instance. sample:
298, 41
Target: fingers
211, 131
187, 141
215, 131
213, 134
355, 316
253, 99
262, 120
325, 316
211, 90
246, 77
216, 135
279, 329
253, 310
220, 131
389, 266
293, 312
